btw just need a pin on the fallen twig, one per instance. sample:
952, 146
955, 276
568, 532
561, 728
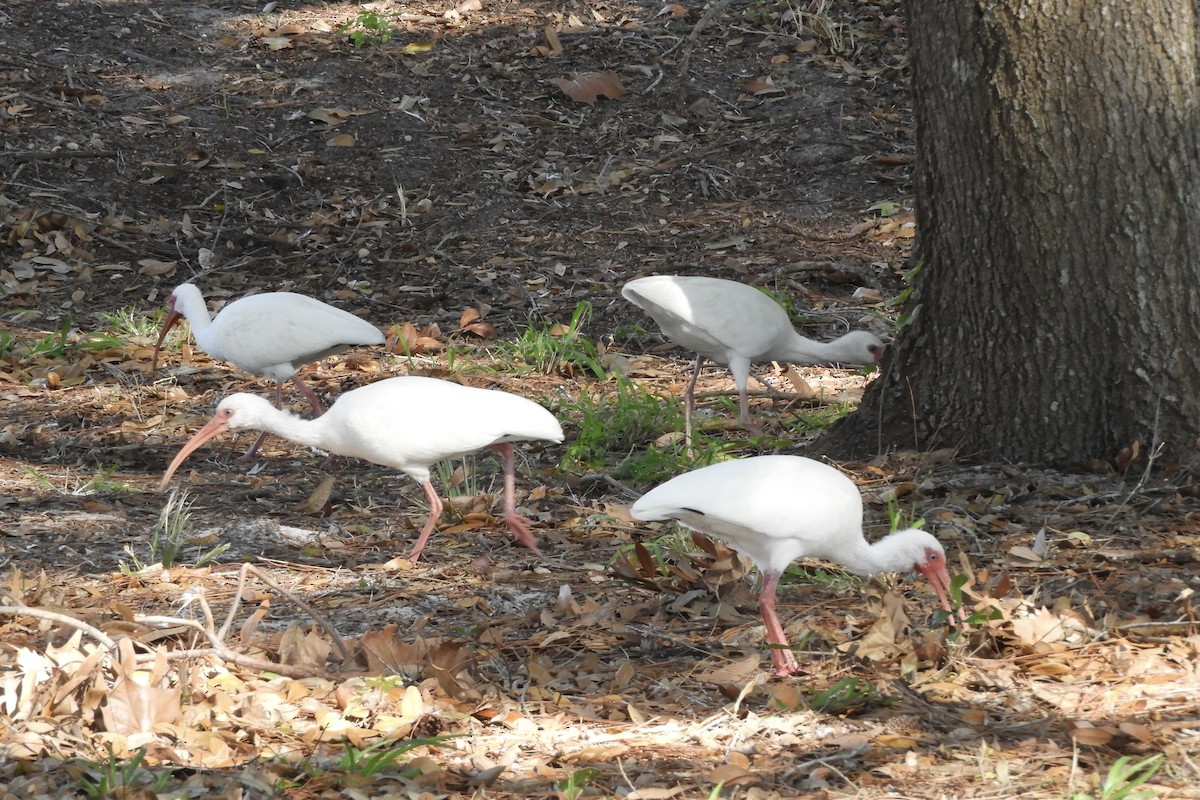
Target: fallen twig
41, 613
56, 155
689, 44
325, 624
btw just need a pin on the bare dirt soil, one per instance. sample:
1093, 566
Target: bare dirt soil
511, 161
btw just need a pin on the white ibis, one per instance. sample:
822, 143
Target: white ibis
271, 334
409, 423
735, 324
778, 508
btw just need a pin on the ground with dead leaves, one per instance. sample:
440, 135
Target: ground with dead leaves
461, 175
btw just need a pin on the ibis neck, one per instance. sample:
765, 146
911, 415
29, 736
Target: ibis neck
802, 350
308, 432
194, 310
886, 555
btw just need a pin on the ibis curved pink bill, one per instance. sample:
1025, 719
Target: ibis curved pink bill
735, 324
409, 423
776, 509
271, 334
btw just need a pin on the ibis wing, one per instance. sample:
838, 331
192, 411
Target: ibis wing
278, 332
711, 316
769, 507
412, 422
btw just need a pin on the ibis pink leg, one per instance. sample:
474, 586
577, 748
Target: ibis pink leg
744, 414
784, 658
249, 454
435, 513
740, 367
520, 527
309, 395
689, 400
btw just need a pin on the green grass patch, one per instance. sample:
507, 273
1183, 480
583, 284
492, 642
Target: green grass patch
554, 348
131, 323
623, 430
168, 538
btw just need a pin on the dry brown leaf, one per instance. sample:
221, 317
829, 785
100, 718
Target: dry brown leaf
152, 266
867, 296
331, 116
786, 696
136, 704
881, 642
764, 85
132, 708
1137, 730
897, 741
1085, 732
730, 775
447, 662
471, 321
408, 339
318, 501
800, 386
735, 673
588, 86
250, 626
975, 716
1041, 627
656, 793
596, 754
389, 654
537, 672
553, 46
304, 649
335, 116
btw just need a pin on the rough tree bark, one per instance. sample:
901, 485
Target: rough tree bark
1058, 188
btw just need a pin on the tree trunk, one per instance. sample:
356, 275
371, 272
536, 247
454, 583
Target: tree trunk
1057, 310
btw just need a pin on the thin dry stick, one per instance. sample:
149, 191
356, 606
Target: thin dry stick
326, 626
216, 638
768, 394
220, 651
41, 613
225, 654
56, 155
175, 622
604, 477
690, 42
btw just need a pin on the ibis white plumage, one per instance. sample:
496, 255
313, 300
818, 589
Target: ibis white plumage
271, 334
735, 324
775, 509
409, 423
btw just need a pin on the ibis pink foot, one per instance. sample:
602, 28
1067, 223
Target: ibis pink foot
521, 528
782, 656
